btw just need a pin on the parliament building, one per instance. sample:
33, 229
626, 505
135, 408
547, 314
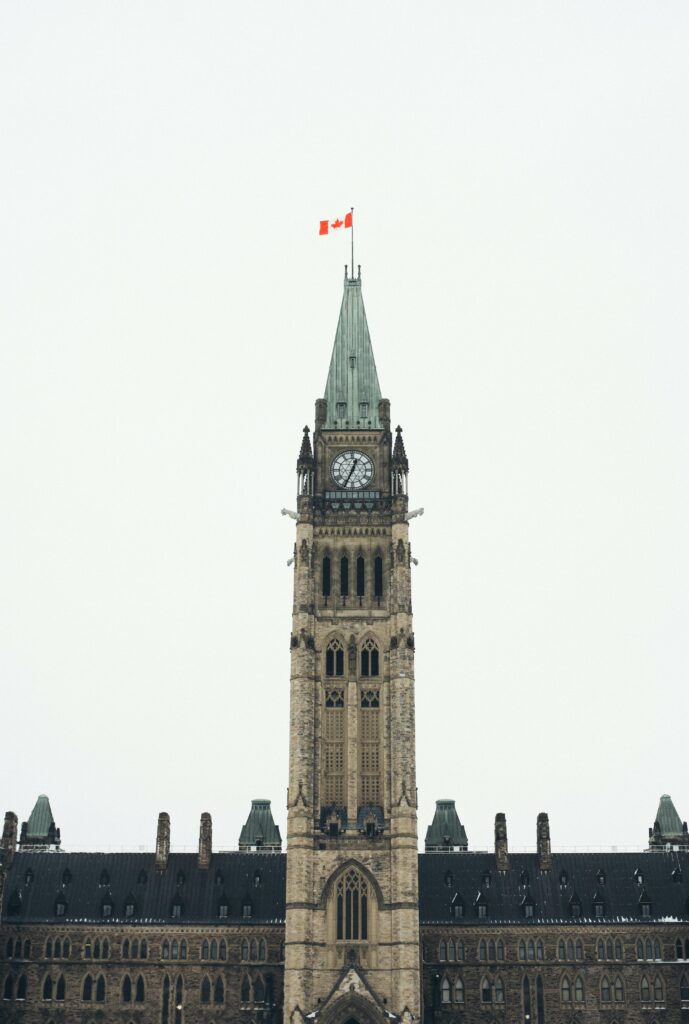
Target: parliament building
350, 924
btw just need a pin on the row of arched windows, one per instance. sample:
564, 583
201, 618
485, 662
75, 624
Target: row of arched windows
254, 950
93, 990
531, 950
369, 658
54, 988
361, 581
133, 991
570, 949
12, 991
491, 990
57, 949
607, 949
174, 950
213, 991
96, 950
16, 950
256, 991
134, 950
572, 990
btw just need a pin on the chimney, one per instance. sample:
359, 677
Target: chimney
8, 844
205, 840
545, 859
162, 841
501, 857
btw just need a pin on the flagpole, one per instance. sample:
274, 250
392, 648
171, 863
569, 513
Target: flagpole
352, 212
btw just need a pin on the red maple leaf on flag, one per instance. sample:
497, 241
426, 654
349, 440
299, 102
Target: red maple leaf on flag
325, 225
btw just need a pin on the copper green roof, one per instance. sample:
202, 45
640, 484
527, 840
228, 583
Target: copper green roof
446, 830
260, 830
40, 819
352, 390
668, 818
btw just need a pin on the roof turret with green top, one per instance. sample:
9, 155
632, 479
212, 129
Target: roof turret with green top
446, 831
40, 831
260, 831
668, 827
352, 391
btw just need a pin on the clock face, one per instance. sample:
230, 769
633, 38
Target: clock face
352, 470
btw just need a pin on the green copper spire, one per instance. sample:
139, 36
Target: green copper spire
668, 818
352, 391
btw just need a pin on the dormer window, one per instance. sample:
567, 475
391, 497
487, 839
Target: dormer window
129, 908
223, 911
677, 875
486, 879
448, 879
599, 909
575, 908
28, 877
176, 910
143, 877
563, 879
180, 878
106, 909
363, 410
219, 878
600, 877
60, 906
341, 410
246, 910
639, 877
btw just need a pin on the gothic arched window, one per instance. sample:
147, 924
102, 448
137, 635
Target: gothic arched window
360, 577
370, 659
334, 659
254, 950
60, 989
565, 989
580, 949
445, 991
244, 950
344, 576
140, 989
8, 989
499, 990
378, 576
578, 989
325, 577
259, 990
442, 951
206, 990
245, 991
87, 989
100, 989
645, 990
605, 991
21, 987
352, 907
48, 988
262, 949
459, 991
126, 989
219, 991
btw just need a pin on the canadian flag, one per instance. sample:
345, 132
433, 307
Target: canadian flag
327, 226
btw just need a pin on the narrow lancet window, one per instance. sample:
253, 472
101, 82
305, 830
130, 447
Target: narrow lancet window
344, 576
326, 577
360, 577
378, 577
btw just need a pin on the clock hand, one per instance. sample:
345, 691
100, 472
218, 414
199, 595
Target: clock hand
350, 472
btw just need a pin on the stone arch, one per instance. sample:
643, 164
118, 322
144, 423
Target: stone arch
351, 1008
329, 887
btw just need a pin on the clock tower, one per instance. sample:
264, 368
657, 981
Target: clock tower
352, 930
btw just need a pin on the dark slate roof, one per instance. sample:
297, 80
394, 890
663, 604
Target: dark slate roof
446, 876
87, 880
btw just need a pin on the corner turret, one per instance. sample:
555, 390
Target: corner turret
40, 831
446, 831
668, 828
260, 831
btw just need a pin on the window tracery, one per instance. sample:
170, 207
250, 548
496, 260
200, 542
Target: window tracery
352, 907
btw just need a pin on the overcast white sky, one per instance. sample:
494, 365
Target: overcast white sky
519, 175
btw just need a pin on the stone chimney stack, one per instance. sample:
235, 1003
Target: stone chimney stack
205, 840
8, 844
501, 857
162, 841
545, 859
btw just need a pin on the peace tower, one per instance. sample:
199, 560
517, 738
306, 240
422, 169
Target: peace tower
352, 918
